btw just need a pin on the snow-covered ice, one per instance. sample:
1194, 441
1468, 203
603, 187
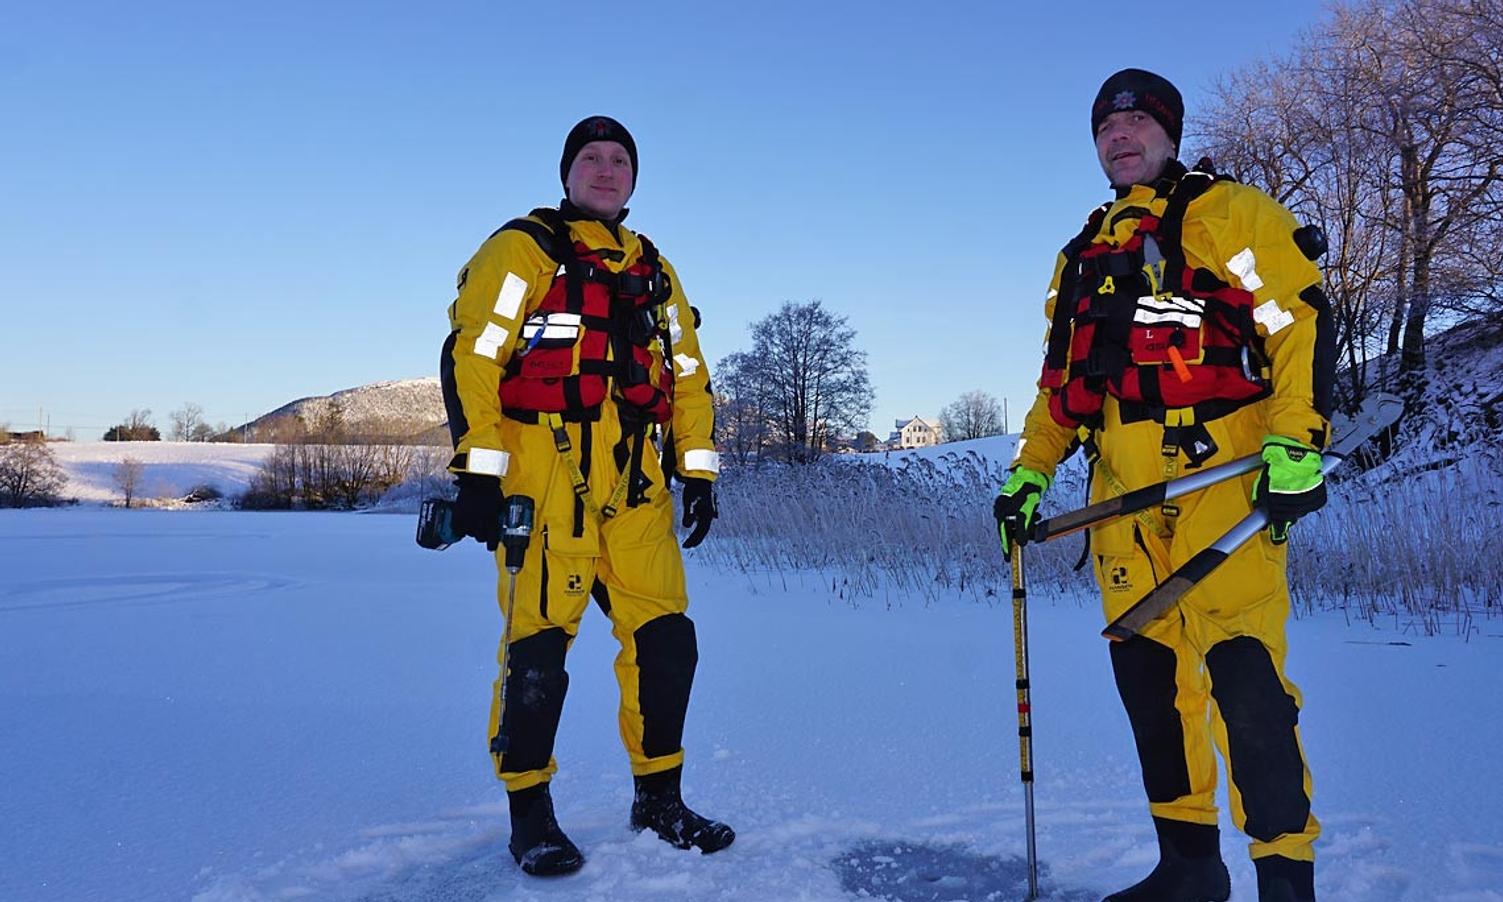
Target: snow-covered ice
232, 706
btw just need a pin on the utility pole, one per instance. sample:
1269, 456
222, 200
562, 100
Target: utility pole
1004, 416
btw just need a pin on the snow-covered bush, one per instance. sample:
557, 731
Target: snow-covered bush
1408, 541
1414, 542
920, 529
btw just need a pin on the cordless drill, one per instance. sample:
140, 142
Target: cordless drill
436, 529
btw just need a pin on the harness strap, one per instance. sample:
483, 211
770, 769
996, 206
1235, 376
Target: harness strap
1057, 357
585, 443
1191, 185
581, 485
1203, 412
534, 417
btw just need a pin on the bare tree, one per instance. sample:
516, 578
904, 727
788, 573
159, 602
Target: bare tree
1385, 126
128, 473
186, 421
806, 360
743, 417
29, 475
314, 472
137, 427
1432, 106
974, 414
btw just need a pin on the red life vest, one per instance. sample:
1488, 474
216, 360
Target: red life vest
596, 332
1135, 322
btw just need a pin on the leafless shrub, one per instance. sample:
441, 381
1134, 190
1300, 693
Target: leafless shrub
127, 475
29, 475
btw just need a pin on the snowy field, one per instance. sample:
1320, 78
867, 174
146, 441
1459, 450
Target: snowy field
168, 469
226, 707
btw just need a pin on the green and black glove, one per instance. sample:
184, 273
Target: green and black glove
1017, 506
1290, 486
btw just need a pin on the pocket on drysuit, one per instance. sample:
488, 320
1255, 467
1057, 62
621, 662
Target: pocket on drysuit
549, 345
1167, 330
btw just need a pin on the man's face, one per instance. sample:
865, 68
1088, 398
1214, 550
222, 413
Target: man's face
1132, 148
599, 180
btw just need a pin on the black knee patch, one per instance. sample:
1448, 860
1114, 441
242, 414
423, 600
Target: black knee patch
1145, 680
535, 689
667, 654
1260, 719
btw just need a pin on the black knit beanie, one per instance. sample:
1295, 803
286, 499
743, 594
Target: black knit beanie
596, 128
1137, 89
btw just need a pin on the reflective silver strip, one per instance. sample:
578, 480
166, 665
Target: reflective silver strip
554, 325
1272, 317
490, 341
702, 460
530, 331
509, 302
1172, 302
1245, 267
687, 366
487, 461
675, 331
1148, 317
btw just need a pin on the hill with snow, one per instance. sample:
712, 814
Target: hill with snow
406, 409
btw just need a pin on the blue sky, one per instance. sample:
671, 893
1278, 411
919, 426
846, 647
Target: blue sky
242, 204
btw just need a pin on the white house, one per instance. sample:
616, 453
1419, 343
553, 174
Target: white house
916, 432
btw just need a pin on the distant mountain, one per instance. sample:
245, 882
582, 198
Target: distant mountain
405, 410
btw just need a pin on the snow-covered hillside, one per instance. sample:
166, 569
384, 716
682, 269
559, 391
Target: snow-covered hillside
403, 408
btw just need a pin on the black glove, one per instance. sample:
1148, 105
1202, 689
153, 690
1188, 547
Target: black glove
699, 508
477, 512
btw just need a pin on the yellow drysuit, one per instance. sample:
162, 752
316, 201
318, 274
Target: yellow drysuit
1212, 669
630, 562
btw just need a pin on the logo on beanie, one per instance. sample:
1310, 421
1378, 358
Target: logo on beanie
599, 127
1125, 100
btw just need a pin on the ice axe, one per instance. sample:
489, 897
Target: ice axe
516, 535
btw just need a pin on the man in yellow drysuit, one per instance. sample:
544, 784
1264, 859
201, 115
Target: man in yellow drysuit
572, 348
1187, 328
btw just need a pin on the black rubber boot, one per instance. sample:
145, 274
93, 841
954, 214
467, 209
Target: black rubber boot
1190, 868
1283, 879
659, 806
537, 844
